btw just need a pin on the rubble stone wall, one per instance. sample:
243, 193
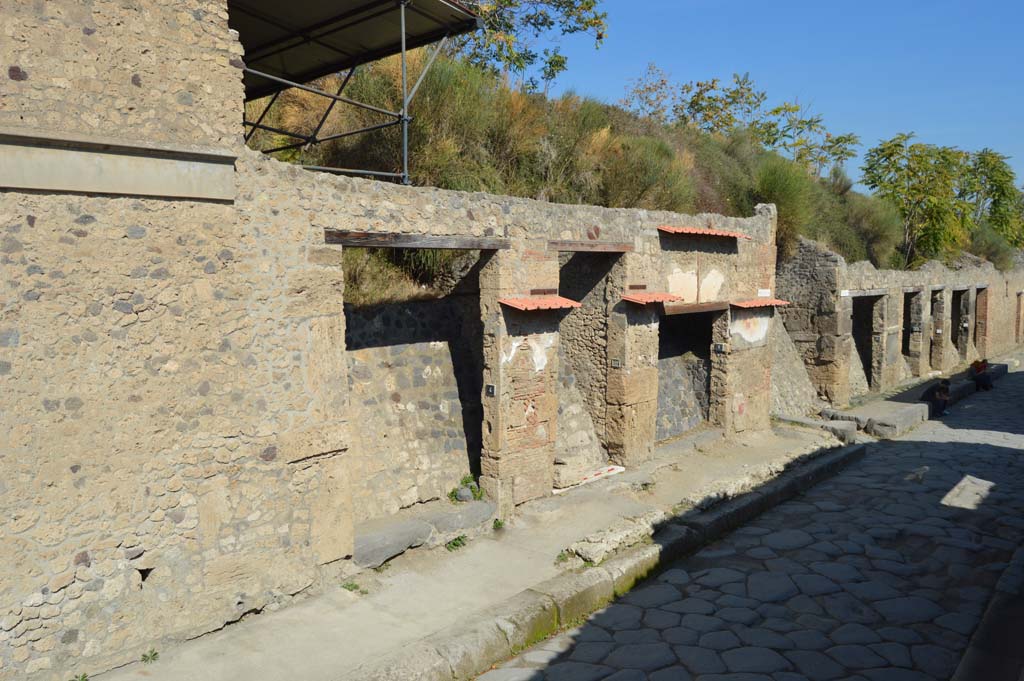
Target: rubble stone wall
176, 417
414, 381
158, 73
822, 287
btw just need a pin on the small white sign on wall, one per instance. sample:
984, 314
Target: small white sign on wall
764, 293
845, 293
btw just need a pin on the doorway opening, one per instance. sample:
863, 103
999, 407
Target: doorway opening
867, 314
1020, 313
957, 327
936, 314
981, 321
684, 372
581, 445
908, 322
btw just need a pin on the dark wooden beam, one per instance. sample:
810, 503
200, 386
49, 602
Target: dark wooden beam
693, 308
390, 240
590, 246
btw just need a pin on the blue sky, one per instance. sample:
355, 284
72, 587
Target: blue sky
952, 72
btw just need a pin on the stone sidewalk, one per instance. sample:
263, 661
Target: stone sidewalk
341, 634
881, 573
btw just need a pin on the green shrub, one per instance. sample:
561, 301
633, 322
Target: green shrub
987, 243
789, 187
878, 225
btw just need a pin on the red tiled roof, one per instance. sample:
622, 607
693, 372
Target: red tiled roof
648, 297
539, 303
668, 229
759, 302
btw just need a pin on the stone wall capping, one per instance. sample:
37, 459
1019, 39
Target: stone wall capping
10, 135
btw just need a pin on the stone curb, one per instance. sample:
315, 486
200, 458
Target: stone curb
474, 646
994, 653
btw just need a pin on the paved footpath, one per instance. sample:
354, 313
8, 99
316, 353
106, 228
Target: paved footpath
880, 573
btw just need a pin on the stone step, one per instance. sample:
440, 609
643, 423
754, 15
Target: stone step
381, 539
845, 431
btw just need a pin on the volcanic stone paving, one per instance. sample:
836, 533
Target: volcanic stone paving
868, 576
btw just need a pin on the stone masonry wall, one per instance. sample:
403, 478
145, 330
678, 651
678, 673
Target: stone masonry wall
792, 392
822, 287
414, 381
154, 72
175, 412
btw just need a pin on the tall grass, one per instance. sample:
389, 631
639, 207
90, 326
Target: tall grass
471, 131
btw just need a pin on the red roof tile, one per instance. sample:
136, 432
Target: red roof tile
648, 297
539, 303
668, 229
759, 302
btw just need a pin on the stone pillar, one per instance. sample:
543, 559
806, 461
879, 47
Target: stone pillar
741, 371
918, 348
834, 351
939, 328
633, 366
520, 377
727, 396
889, 322
981, 322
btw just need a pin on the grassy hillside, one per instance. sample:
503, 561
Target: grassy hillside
471, 131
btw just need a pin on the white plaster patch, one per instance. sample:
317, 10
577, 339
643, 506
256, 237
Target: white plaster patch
683, 284
711, 286
750, 325
539, 346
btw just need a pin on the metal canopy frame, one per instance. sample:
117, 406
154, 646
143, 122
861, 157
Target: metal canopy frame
275, 84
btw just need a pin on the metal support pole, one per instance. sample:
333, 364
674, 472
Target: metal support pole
352, 171
307, 88
405, 100
296, 145
259, 120
423, 73
330, 107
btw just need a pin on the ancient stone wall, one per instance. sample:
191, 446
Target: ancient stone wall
944, 329
414, 383
179, 412
160, 73
792, 393
684, 373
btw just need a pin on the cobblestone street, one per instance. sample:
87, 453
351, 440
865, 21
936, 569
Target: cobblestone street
880, 573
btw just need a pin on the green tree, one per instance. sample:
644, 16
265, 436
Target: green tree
512, 29
988, 188
923, 182
651, 95
709, 106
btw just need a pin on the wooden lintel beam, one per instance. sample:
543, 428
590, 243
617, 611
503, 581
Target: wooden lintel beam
390, 240
693, 308
590, 246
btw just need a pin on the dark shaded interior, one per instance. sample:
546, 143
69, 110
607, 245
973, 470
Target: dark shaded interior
957, 317
908, 324
684, 372
863, 327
